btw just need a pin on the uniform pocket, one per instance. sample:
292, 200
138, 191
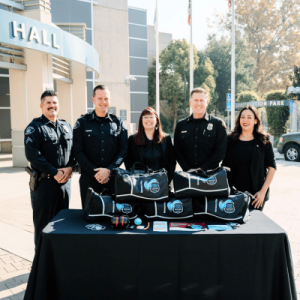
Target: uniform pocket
209, 136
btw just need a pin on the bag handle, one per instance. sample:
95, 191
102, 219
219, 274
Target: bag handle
148, 170
207, 173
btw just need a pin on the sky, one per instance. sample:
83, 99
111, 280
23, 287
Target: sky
173, 16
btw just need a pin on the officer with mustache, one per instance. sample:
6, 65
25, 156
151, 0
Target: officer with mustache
100, 145
48, 147
200, 140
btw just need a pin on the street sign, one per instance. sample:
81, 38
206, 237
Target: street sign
228, 102
291, 107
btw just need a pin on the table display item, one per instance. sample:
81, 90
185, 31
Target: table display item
232, 208
173, 209
200, 183
187, 226
95, 227
99, 206
219, 227
132, 185
137, 221
160, 226
120, 222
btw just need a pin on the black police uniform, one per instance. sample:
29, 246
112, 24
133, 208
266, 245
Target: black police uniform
98, 143
48, 147
200, 143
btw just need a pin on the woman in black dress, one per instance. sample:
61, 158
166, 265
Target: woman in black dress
150, 145
250, 157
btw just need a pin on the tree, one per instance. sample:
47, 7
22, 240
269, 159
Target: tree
205, 77
247, 96
219, 52
174, 64
277, 116
295, 78
271, 28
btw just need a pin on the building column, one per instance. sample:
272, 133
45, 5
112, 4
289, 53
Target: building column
29, 86
79, 93
64, 94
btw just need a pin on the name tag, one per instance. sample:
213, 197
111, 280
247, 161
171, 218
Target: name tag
90, 130
183, 131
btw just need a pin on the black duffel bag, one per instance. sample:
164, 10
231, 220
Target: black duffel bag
199, 183
98, 207
136, 185
173, 209
232, 208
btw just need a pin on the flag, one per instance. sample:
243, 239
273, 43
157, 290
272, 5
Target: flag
189, 12
229, 5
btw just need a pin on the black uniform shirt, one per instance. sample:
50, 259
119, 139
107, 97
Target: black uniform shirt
99, 142
48, 145
200, 143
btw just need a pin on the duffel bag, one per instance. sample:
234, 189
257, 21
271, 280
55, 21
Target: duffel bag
99, 206
199, 183
173, 209
131, 185
232, 208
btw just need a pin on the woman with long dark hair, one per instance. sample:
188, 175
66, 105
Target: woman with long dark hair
250, 157
150, 145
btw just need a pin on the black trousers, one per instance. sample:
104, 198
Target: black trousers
86, 181
47, 200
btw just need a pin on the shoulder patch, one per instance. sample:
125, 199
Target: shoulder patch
66, 128
123, 126
224, 125
29, 130
28, 140
77, 124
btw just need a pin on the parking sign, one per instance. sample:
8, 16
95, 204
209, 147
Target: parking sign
228, 102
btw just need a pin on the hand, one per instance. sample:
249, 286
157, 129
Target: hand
59, 175
67, 174
102, 175
259, 199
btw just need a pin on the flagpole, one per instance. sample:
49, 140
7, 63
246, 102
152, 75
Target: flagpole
157, 61
191, 50
232, 69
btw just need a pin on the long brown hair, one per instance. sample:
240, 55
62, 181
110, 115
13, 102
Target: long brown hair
140, 136
258, 130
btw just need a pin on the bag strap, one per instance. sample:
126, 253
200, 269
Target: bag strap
148, 170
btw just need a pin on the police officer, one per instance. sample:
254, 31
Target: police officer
48, 148
100, 144
200, 140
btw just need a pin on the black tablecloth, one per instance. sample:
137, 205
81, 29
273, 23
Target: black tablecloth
252, 262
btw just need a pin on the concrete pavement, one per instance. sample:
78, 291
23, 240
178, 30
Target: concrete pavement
16, 228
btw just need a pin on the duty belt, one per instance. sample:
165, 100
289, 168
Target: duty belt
45, 176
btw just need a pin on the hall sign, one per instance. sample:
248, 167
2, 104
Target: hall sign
26, 33
263, 103
41, 36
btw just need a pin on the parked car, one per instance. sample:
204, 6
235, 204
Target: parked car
289, 145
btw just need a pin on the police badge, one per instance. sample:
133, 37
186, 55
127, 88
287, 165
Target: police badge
210, 126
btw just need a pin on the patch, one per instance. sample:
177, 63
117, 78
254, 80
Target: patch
175, 206
29, 130
224, 125
66, 128
113, 126
184, 131
124, 208
28, 140
123, 126
119, 161
77, 124
210, 181
227, 206
152, 186
210, 126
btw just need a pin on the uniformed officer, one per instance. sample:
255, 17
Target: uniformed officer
48, 148
100, 144
200, 140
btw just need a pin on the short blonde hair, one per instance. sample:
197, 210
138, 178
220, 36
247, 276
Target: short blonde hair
200, 90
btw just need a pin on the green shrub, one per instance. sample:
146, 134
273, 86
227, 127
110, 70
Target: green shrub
247, 96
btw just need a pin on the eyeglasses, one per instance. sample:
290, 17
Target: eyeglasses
148, 117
